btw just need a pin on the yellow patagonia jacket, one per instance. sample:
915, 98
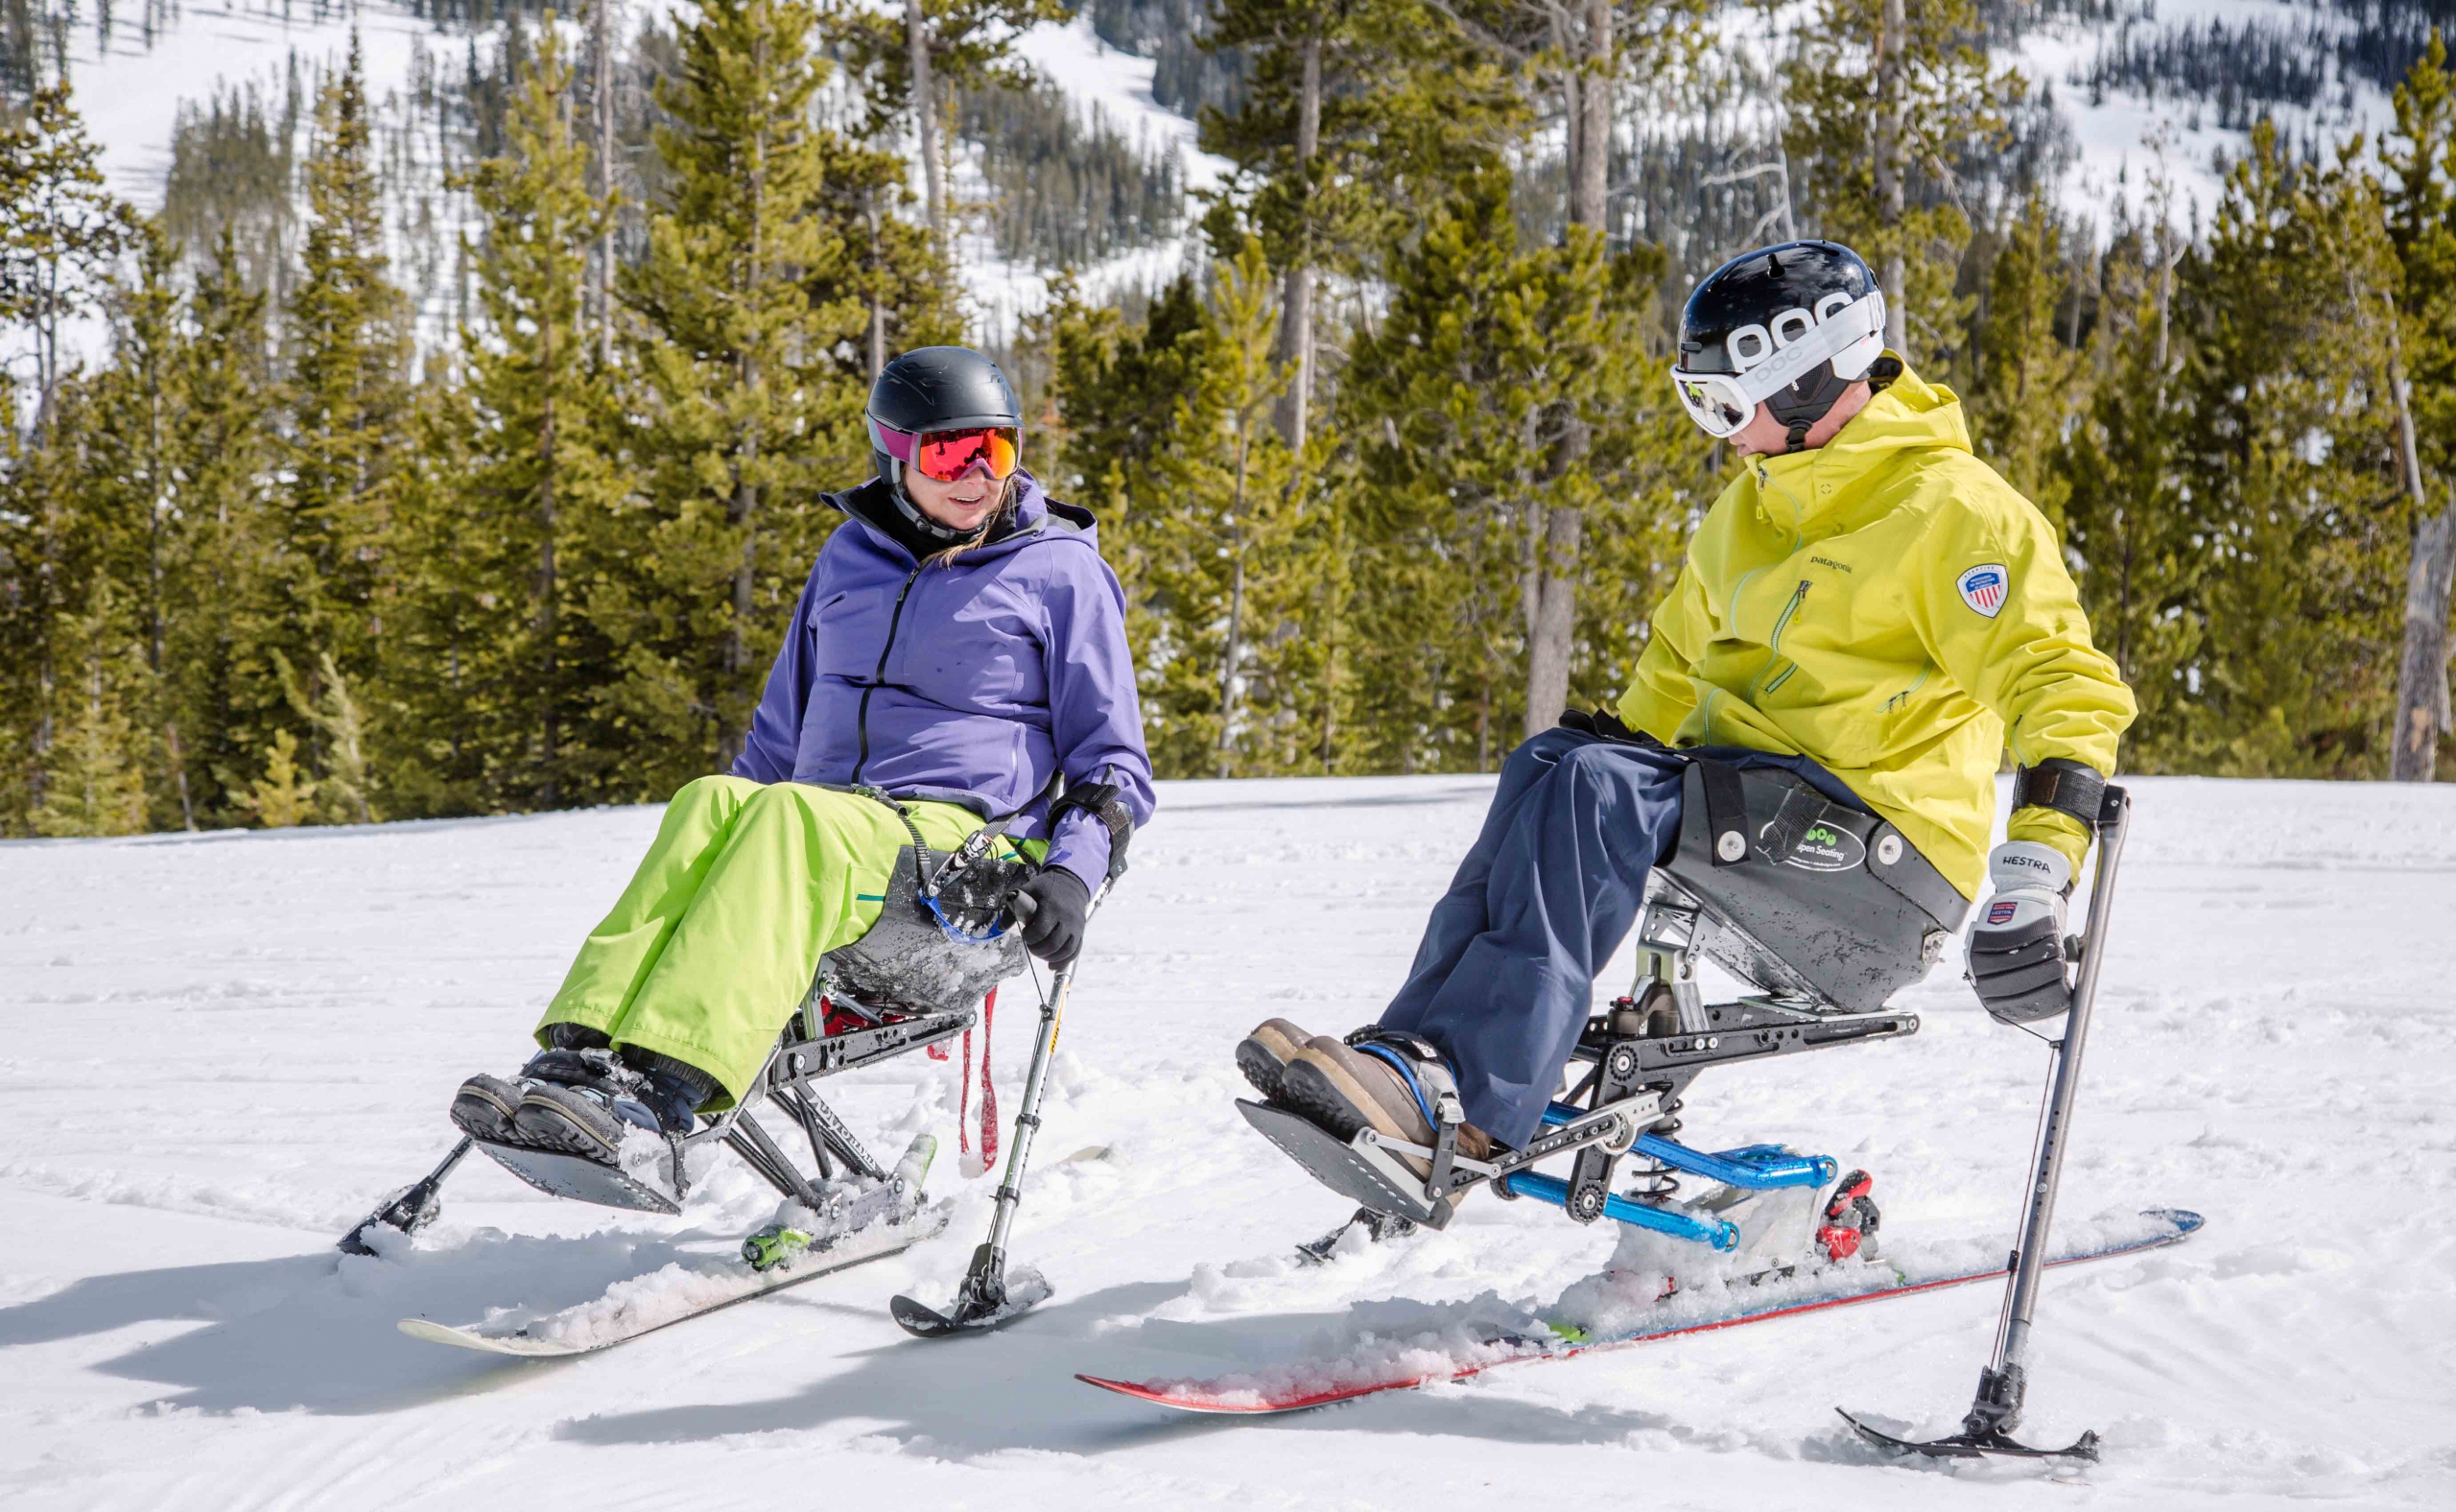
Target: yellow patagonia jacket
1888, 607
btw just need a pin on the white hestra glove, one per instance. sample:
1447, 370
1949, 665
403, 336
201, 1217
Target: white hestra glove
2016, 942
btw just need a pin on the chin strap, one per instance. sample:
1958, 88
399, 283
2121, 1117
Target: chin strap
1799, 437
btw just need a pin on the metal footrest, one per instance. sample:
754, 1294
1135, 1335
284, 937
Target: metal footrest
1353, 1173
583, 1180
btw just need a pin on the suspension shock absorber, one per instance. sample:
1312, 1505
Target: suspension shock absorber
1656, 1182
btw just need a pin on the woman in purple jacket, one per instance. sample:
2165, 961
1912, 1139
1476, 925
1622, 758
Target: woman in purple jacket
960, 646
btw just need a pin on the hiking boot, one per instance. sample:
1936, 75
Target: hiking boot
1263, 1055
485, 1106
581, 1103
1344, 1088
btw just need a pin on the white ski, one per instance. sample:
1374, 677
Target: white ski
676, 1293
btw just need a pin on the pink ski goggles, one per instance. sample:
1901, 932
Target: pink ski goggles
946, 456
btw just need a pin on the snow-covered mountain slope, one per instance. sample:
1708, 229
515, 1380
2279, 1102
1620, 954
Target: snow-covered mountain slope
216, 1051
132, 80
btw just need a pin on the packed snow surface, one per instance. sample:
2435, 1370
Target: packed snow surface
219, 1051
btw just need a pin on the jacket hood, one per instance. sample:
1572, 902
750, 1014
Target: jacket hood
1910, 415
1033, 514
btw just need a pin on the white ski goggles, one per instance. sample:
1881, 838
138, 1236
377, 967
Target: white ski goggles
1767, 359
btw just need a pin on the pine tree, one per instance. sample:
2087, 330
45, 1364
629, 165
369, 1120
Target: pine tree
524, 472
1885, 98
62, 229
1491, 414
347, 345
1230, 483
218, 685
2291, 471
143, 445
95, 783
1324, 121
2024, 388
745, 293
916, 56
1120, 392
2141, 545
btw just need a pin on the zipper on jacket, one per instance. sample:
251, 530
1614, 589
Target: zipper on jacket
1774, 644
861, 718
1902, 700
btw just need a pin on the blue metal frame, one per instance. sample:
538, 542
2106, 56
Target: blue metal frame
1757, 1167
1619, 1209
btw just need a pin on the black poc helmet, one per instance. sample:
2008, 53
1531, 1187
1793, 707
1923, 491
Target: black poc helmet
1793, 326
935, 388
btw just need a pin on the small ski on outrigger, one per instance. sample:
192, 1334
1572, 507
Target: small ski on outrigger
869, 1223
993, 1294
1320, 1383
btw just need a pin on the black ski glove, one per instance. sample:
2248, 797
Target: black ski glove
1605, 724
1050, 909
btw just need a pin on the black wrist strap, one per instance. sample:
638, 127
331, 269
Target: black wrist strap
2067, 787
1102, 801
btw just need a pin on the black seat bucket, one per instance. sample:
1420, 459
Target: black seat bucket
908, 963
1859, 912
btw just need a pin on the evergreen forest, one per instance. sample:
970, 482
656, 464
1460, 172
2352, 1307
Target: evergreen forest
463, 452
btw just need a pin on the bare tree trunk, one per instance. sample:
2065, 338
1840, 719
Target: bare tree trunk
548, 788
1296, 322
1548, 582
2422, 671
878, 303
1593, 168
601, 22
1235, 650
179, 770
1886, 122
925, 115
1547, 651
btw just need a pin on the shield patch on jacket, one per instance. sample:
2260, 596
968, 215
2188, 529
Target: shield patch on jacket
1985, 588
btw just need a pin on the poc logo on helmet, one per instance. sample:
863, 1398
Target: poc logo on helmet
1752, 345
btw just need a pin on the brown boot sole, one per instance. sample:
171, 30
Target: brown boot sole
1263, 1055
1336, 1088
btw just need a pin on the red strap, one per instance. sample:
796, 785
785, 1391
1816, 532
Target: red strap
989, 1088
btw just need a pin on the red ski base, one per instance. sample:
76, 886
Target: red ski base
1227, 1395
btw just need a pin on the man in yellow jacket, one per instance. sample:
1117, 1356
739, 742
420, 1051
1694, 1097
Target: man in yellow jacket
1868, 606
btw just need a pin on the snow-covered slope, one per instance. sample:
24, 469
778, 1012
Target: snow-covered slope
215, 1051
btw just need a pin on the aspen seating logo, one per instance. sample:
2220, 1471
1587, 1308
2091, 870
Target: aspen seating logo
1985, 588
1826, 848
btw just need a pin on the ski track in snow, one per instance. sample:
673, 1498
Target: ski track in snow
219, 1051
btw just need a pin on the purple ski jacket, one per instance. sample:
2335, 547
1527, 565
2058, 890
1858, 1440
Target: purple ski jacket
970, 683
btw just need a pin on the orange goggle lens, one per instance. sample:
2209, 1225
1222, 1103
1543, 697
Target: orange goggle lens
949, 455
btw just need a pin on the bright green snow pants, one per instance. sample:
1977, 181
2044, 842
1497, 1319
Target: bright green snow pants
713, 944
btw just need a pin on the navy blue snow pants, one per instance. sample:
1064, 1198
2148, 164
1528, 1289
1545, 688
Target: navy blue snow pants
1504, 978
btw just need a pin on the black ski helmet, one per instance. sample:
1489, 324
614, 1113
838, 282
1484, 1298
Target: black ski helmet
1762, 302
932, 388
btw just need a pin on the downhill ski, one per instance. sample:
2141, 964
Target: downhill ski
1292, 1387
